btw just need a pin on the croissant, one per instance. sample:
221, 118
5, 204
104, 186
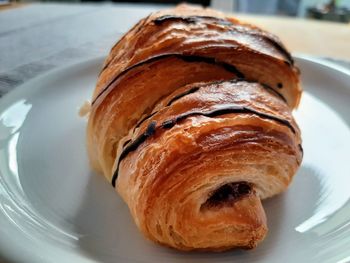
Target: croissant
191, 122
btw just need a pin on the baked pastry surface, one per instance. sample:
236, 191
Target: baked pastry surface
191, 122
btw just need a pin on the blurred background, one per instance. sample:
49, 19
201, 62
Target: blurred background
336, 10
318, 9
38, 36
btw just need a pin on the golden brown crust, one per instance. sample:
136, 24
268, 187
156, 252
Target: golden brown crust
191, 147
233, 44
135, 94
171, 175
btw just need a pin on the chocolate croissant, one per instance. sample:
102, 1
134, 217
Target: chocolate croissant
191, 122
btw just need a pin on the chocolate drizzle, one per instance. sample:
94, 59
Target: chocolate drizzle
226, 110
126, 142
151, 129
280, 47
144, 119
273, 91
137, 26
228, 192
301, 149
232, 27
196, 88
187, 58
170, 18
189, 19
179, 96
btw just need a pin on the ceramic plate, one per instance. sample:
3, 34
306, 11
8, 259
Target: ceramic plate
53, 208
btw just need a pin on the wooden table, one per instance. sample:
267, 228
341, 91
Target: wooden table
38, 37
314, 37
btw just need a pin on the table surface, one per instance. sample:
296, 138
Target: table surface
35, 38
314, 37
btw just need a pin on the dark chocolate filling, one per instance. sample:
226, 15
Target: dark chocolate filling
151, 129
187, 58
227, 194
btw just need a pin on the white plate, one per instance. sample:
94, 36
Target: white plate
54, 209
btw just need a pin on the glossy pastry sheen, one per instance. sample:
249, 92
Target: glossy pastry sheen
191, 122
